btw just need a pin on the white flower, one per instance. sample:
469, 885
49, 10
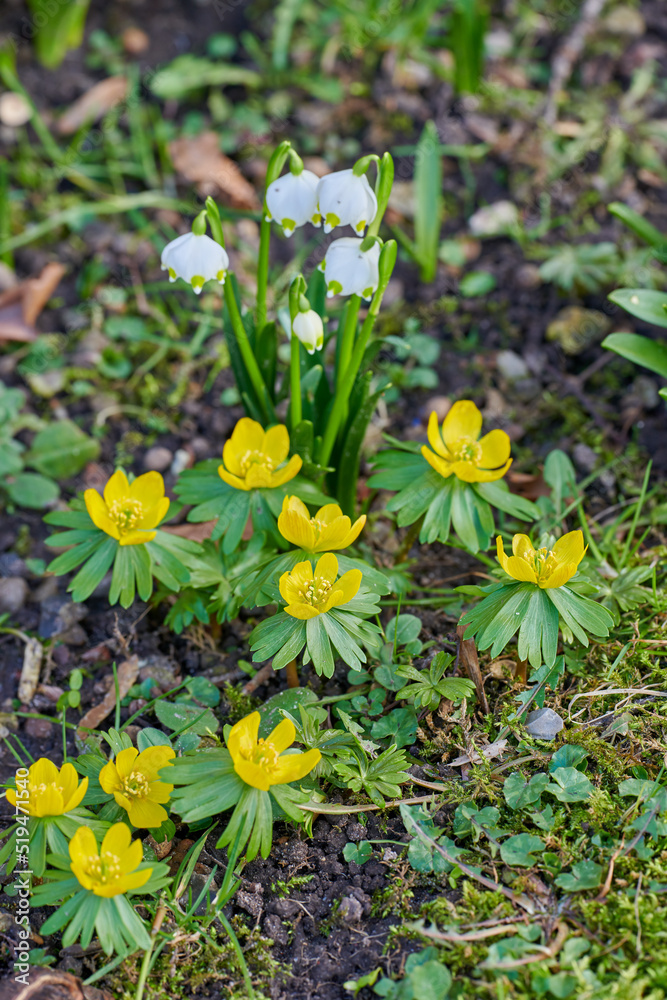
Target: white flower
309, 329
345, 199
196, 259
292, 201
349, 270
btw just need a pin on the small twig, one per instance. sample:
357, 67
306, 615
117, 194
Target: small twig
568, 53
261, 677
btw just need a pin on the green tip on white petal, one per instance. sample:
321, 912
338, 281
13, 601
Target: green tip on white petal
334, 288
332, 220
220, 276
289, 225
197, 282
172, 274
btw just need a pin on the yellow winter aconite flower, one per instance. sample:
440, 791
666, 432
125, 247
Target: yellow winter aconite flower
545, 567
129, 511
50, 791
329, 529
253, 458
459, 451
109, 870
309, 593
133, 781
262, 763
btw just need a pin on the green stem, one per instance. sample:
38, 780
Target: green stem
346, 336
143, 972
295, 382
262, 274
239, 954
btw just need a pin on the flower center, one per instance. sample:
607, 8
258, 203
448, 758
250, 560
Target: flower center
316, 592
104, 869
467, 450
543, 561
135, 786
38, 790
255, 458
126, 513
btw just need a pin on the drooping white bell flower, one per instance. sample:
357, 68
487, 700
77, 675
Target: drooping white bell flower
344, 199
196, 259
309, 329
349, 270
292, 201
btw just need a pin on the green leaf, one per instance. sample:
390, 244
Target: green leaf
519, 793
401, 724
568, 756
538, 634
272, 711
498, 495
570, 785
651, 354
150, 737
428, 207
29, 489
584, 875
181, 716
580, 613
319, 646
646, 304
637, 223
358, 853
95, 568
518, 850
477, 283
62, 450
190, 72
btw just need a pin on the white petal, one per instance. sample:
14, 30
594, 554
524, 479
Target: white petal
347, 198
293, 197
309, 329
356, 270
192, 256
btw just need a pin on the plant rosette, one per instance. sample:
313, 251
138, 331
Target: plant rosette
95, 885
121, 529
252, 481
461, 486
253, 774
536, 602
48, 806
324, 614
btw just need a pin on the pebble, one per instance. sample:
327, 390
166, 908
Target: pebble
38, 729
250, 902
135, 41
13, 565
511, 366
182, 460
158, 459
355, 832
645, 389
584, 457
60, 618
528, 277
14, 110
441, 404
13, 594
625, 21
544, 723
494, 220
273, 928
197, 883
350, 910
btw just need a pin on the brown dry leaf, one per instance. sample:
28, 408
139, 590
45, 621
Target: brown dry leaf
195, 532
94, 104
528, 486
32, 662
469, 661
484, 753
45, 984
199, 159
127, 675
21, 305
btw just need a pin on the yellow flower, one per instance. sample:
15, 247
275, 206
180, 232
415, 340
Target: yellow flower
129, 510
459, 450
51, 792
262, 763
106, 871
253, 458
308, 594
329, 529
545, 567
133, 780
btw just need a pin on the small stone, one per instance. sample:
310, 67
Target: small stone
494, 220
511, 366
625, 21
273, 928
13, 594
355, 832
158, 459
14, 110
182, 460
584, 457
249, 902
441, 404
498, 43
196, 886
644, 389
528, 277
135, 41
576, 329
38, 729
350, 910
285, 908
12, 565
46, 384
544, 724
60, 617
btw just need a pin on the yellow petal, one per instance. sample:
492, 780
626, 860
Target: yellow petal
125, 761
43, 772
293, 766
354, 531
99, 514
334, 598
49, 802
68, 780
491, 475
252, 774
522, 546
83, 846
144, 813
109, 779
435, 437
127, 883
248, 435
495, 449
159, 791
10, 795
276, 444
131, 856
327, 567
570, 548
463, 421
301, 611
259, 477
521, 570
559, 576
440, 465
242, 738
296, 505
117, 488
333, 535
231, 480
148, 489
117, 839
469, 472
152, 517
77, 796
137, 537
289, 471
514, 565
151, 760
282, 736
297, 529
232, 458
292, 583
329, 513
349, 584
